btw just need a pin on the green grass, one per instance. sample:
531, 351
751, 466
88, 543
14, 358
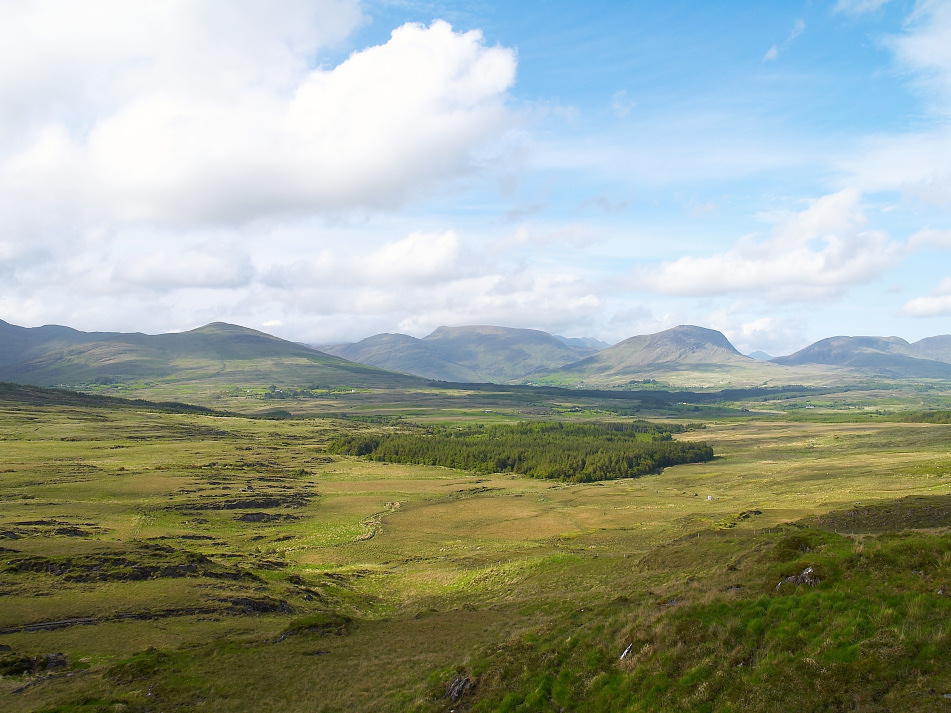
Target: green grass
869, 632
358, 585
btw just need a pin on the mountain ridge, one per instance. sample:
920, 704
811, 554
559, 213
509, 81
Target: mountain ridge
648, 357
685, 356
886, 356
472, 354
214, 352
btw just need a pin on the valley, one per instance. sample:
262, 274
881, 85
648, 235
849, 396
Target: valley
174, 541
450, 357
229, 562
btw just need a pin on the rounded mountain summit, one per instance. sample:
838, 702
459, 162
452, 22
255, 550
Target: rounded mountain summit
693, 355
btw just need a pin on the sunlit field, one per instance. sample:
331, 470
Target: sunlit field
207, 562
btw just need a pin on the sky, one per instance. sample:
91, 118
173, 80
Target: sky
326, 170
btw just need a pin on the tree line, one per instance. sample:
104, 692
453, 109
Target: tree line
927, 417
571, 452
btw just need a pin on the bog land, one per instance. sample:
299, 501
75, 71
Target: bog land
158, 556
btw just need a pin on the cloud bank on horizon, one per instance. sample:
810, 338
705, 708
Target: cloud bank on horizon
331, 169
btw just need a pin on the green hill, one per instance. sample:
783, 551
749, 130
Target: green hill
404, 354
685, 356
219, 356
465, 354
937, 348
216, 354
18, 344
882, 356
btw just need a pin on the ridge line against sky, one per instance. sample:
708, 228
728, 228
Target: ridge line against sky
326, 170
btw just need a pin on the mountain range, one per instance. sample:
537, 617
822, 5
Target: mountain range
679, 356
887, 356
218, 352
685, 356
467, 354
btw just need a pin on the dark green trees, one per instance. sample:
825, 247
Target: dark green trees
561, 451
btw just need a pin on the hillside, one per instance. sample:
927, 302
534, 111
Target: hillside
217, 353
882, 356
586, 342
682, 356
219, 356
466, 354
18, 344
936, 348
166, 558
404, 354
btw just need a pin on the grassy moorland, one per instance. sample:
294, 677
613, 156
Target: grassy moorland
189, 560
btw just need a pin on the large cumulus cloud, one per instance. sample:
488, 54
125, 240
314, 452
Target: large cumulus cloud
205, 113
815, 254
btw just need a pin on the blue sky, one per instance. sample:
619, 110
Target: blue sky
325, 170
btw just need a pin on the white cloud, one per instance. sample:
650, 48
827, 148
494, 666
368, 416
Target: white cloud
775, 335
934, 306
858, 7
208, 266
937, 304
917, 165
189, 156
772, 54
418, 259
200, 113
621, 105
165, 164
72, 63
418, 283
915, 162
576, 235
924, 49
630, 318
930, 239
603, 203
814, 255
534, 299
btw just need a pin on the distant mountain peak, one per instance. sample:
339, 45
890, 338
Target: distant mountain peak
677, 342
588, 342
886, 356
677, 353
226, 328
224, 353
471, 353
482, 330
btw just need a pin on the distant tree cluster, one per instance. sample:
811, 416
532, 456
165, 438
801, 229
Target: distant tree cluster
927, 417
578, 453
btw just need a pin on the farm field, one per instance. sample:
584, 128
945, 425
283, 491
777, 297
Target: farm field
197, 561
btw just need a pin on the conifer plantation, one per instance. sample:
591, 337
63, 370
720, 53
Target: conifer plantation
577, 453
